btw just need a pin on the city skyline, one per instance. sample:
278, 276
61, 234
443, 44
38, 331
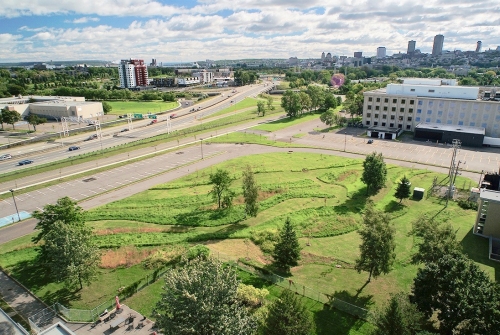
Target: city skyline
185, 31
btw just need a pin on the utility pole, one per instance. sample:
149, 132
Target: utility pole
201, 146
15, 204
453, 168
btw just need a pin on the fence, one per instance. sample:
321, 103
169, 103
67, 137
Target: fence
43, 319
300, 289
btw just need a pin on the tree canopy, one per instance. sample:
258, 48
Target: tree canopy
106, 107
374, 172
10, 117
287, 249
462, 297
250, 192
403, 190
287, 315
398, 317
221, 180
377, 243
73, 257
201, 298
291, 103
35, 120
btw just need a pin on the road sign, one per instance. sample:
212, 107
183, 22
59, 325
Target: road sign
152, 116
137, 116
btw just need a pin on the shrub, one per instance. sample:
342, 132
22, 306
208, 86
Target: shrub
251, 296
198, 250
265, 239
467, 204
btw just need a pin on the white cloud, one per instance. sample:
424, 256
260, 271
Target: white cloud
228, 29
83, 19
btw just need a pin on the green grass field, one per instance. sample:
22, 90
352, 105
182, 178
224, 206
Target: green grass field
154, 107
322, 194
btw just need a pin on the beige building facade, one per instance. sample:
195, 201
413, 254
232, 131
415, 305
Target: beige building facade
406, 111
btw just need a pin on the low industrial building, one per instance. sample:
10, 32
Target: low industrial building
53, 107
443, 133
431, 101
487, 223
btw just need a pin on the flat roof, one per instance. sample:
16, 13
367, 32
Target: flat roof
489, 195
384, 129
65, 103
449, 127
10, 325
57, 329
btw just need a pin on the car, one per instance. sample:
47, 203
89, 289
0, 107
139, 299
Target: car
123, 130
25, 162
6, 156
91, 137
370, 141
73, 148
122, 116
153, 121
173, 116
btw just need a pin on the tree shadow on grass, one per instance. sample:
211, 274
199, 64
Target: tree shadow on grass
63, 296
330, 320
354, 203
223, 233
394, 207
193, 218
31, 274
477, 248
345, 300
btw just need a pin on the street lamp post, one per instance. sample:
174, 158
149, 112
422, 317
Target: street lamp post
15, 204
201, 146
345, 139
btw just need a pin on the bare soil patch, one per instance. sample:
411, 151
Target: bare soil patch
236, 249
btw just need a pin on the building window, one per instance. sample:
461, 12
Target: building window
449, 122
497, 118
370, 99
384, 116
402, 110
369, 106
408, 127
403, 101
410, 110
386, 100
428, 119
367, 123
450, 114
430, 103
392, 117
377, 108
472, 124
378, 99
368, 114
462, 115
385, 108
486, 117
383, 124
391, 125
400, 118
412, 102
375, 123
484, 125
420, 103
376, 116
417, 119
460, 123
393, 109
440, 113
431, 91
409, 119
412, 90
429, 112
438, 121
419, 111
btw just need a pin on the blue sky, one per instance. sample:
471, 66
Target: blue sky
190, 30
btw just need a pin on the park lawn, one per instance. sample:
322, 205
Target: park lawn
247, 137
154, 107
248, 104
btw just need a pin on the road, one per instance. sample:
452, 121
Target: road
42, 153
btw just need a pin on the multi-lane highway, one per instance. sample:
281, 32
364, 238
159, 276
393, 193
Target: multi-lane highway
113, 136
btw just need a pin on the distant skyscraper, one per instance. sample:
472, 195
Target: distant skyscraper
478, 46
381, 51
411, 47
437, 47
358, 54
132, 73
323, 56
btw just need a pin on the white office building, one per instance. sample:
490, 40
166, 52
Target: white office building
381, 52
431, 101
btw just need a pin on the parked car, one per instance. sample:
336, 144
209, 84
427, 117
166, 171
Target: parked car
370, 141
6, 156
73, 148
25, 162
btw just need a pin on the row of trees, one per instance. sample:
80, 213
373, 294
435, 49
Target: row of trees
313, 98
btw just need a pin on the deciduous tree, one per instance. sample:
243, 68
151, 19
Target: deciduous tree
403, 190
261, 108
287, 315
201, 298
459, 294
35, 120
10, 117
377, 243
287, 249
328, 118
374, 172
220, 181
250, 192
73, 257
106, 107
290, 101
